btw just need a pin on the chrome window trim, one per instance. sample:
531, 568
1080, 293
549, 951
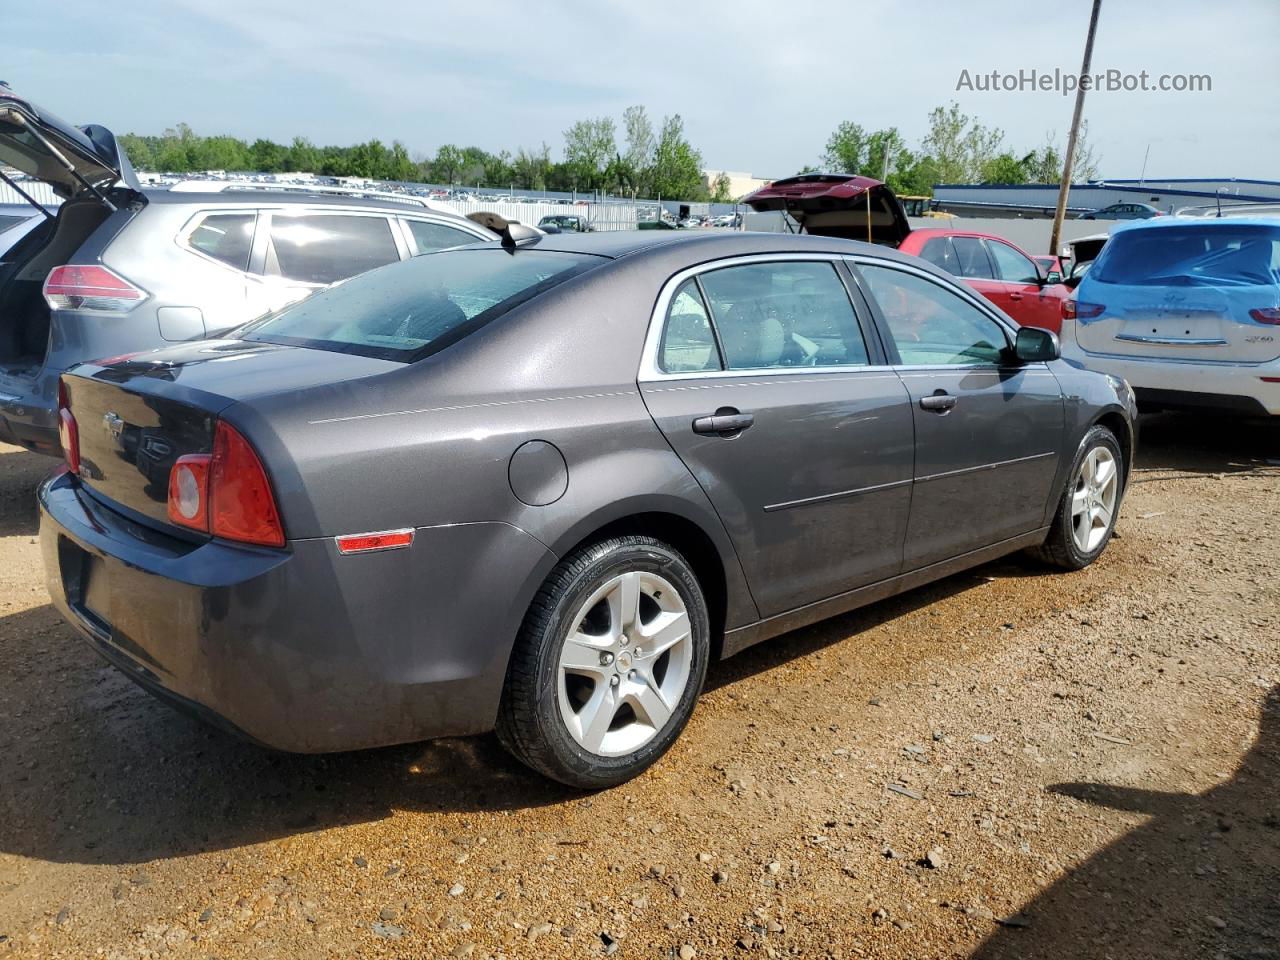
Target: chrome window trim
650, 372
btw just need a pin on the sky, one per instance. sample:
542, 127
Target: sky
760, 85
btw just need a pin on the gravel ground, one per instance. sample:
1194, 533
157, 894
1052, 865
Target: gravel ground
1010, 763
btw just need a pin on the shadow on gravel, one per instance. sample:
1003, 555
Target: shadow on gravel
94, 770
1201, 879
20, 474
1198, 444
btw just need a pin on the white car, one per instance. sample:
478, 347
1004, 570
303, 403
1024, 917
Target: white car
1187, 310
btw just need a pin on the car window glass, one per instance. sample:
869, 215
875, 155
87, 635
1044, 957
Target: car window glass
929, 323
420, 306
786, 314
938, 252
327, 248
225, 236
972, 259
688, 344
1192, 255
1012, 265
436, 236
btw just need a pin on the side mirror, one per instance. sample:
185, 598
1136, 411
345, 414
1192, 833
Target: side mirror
1052, 277
1034, 345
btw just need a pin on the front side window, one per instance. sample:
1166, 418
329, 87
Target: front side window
326, 248
1012, 265
431, 236
972, 259
688, 344
930, 324
227, 237
785, 314
418, 307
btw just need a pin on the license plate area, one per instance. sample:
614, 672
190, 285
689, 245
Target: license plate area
85, 583
1193, 327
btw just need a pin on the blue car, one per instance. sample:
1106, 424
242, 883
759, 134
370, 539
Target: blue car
1187, 311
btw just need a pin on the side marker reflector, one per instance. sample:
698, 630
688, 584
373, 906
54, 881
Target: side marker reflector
370, 542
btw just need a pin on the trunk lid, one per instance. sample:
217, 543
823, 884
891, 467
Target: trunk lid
137, 415
72, 160
837, 205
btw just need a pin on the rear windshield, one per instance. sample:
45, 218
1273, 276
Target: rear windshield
1192, 255
406, 311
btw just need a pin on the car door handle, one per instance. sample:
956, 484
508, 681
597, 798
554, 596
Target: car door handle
1015, 295
725, 422
938, 403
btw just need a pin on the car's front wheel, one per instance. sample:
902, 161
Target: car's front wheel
1087, 512
609, 663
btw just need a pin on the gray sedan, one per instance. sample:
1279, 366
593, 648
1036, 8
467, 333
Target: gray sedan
537, 485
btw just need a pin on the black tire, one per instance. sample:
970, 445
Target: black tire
1060, 548
529, 721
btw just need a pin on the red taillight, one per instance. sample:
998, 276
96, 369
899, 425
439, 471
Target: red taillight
68, 430
241, 506
225, 493
189, 491
1081, 310
1266, 314
90, 287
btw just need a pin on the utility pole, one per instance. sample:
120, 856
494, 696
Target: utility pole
1064, 188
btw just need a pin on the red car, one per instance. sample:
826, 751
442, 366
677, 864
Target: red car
1003, 273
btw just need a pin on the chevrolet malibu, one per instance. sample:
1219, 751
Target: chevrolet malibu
537, 485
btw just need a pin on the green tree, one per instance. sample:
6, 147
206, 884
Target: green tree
1005, 168
267, 156
139, 150
846, 149
959, 144
447, 163
636, 161
530, 168
588, 147
677, 166
303, 156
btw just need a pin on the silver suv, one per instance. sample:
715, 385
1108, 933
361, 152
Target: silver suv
120, 269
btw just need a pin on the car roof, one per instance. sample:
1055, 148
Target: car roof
1211, 223
270, 198
710, 245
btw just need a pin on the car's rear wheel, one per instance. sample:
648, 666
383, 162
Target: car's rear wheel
1086, 515
609, 663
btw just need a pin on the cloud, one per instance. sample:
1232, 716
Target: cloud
759, 84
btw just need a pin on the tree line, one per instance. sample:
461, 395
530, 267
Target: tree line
635, 158
956, 148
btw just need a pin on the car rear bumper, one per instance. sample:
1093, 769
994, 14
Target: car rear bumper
300, 649
1227, 387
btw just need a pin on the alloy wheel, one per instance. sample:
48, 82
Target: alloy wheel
625, 664
1093, 499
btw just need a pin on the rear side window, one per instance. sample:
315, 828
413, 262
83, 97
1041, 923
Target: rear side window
418, 307
326, 248
227, 237
785, 314
971, 259
688, 345
1244, 254
436, 236
938, 252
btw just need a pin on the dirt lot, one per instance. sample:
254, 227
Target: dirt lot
1011, 763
